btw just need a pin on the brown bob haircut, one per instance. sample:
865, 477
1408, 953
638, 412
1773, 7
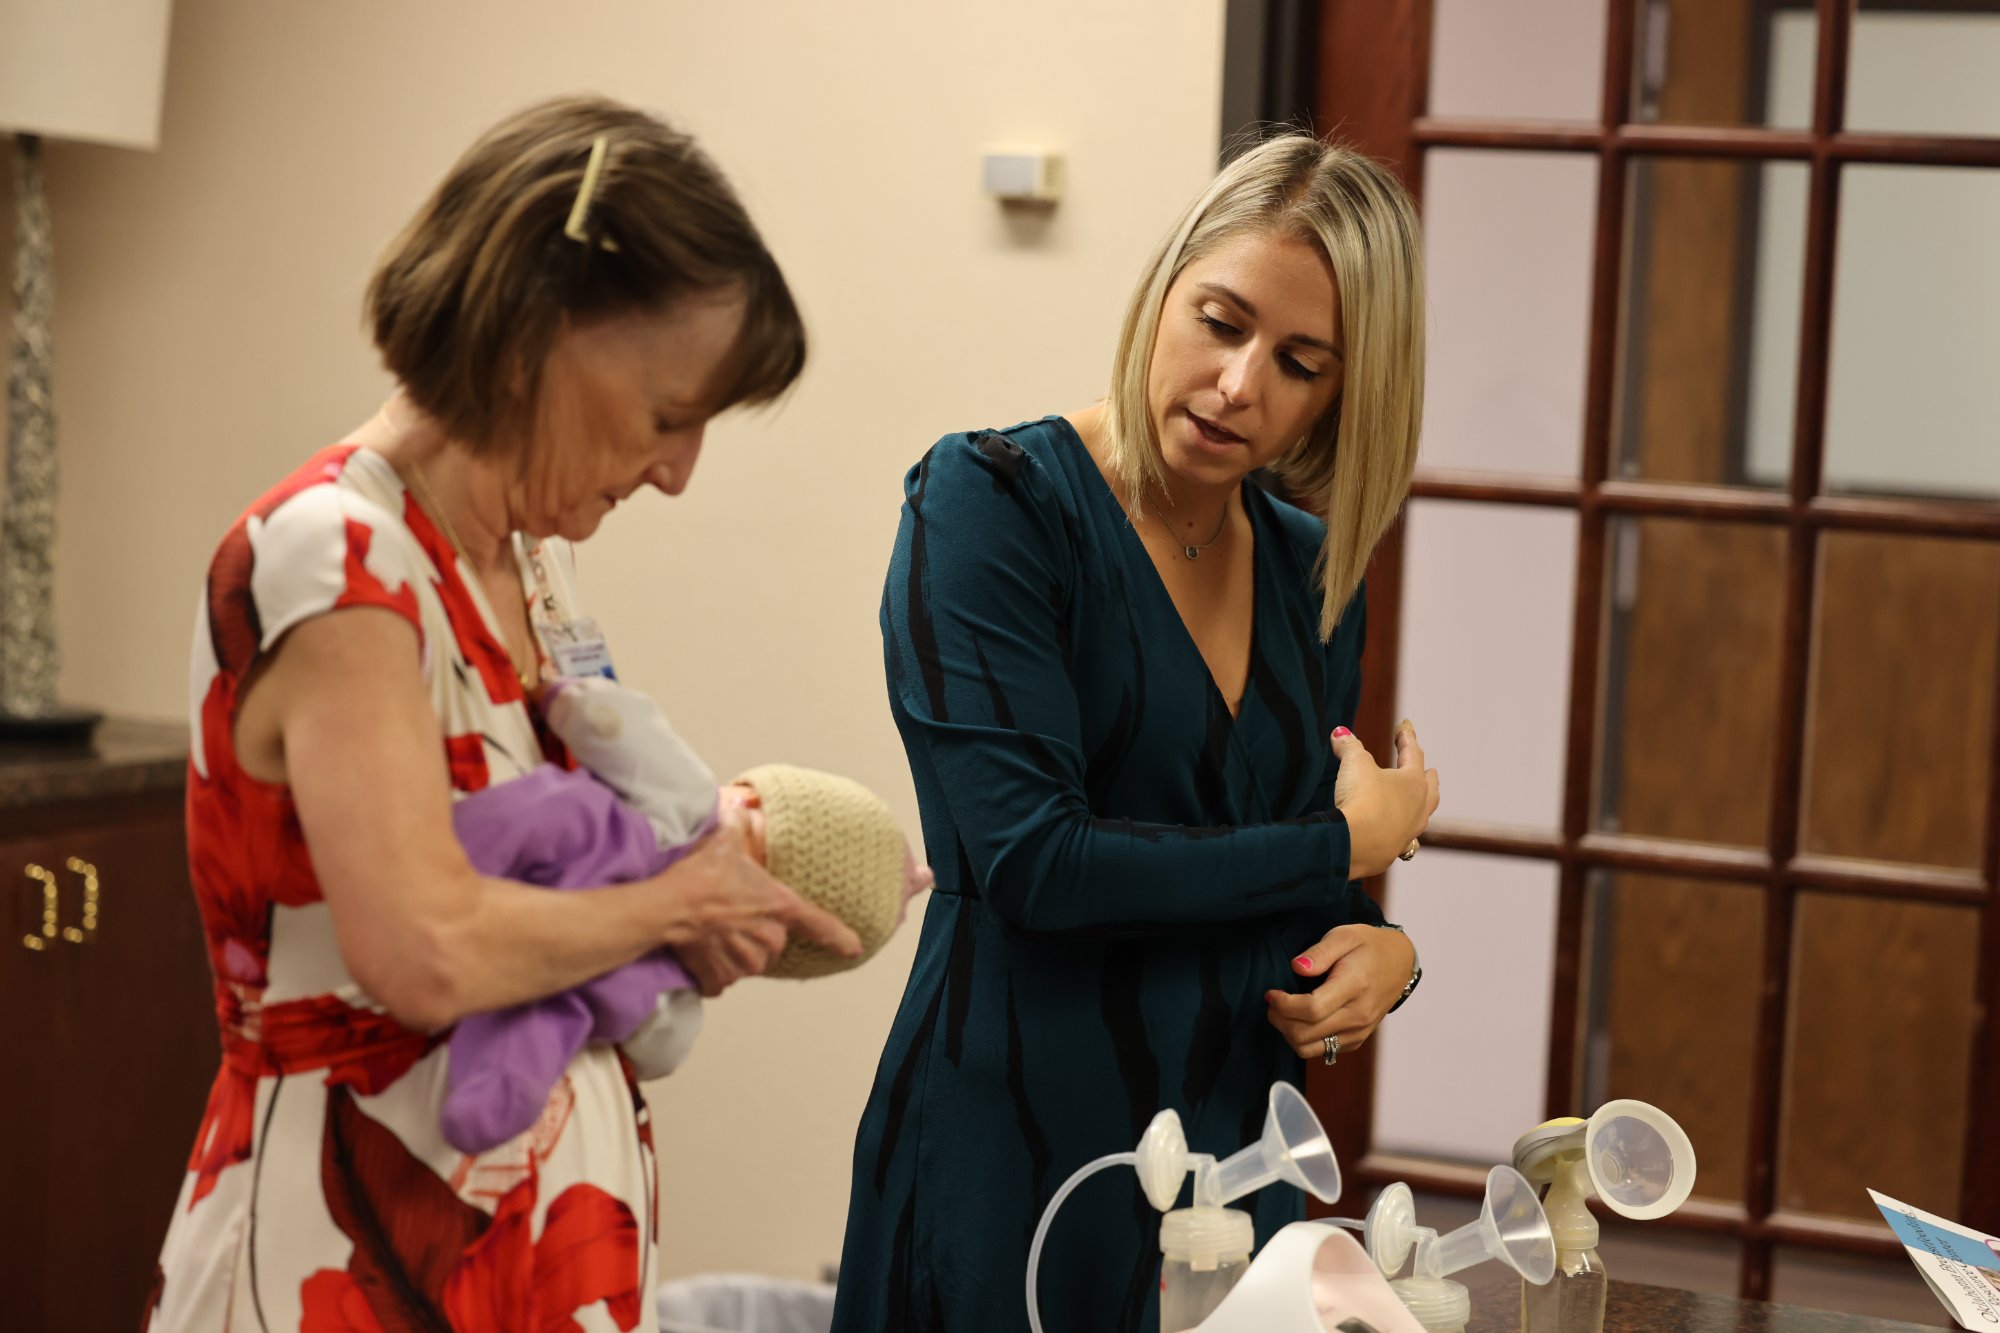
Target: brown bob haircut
468, 300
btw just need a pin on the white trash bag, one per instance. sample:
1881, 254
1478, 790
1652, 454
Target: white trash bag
744, 1303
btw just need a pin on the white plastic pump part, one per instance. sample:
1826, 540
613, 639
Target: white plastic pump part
1276, 1294
1632, 1155
1439, 1304
1293, 1147
1568, 1205
1309, 1278
1391, 1228
1511, 1228
1206, 1238
1162, 1160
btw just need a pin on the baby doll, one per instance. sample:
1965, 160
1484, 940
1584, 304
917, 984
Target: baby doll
639, 802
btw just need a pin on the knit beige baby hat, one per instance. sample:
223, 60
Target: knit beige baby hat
835, 844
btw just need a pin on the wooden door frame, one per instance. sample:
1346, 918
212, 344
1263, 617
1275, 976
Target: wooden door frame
1372, 91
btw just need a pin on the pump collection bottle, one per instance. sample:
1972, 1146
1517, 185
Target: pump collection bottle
1203, 1252
1573, 1300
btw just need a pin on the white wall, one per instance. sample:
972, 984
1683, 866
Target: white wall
208, 335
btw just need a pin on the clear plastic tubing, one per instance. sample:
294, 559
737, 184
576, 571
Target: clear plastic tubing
1082, 1173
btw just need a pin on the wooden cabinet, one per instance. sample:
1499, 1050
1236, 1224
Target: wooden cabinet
108, 1043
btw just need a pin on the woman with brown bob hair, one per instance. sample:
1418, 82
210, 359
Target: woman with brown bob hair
563, 317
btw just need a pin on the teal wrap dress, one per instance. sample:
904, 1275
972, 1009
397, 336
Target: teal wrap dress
1123, 871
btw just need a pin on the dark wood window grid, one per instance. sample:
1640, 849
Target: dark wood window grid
1374, 64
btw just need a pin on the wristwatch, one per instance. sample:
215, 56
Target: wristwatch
1416, 967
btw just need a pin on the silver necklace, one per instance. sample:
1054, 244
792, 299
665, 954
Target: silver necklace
1193, 552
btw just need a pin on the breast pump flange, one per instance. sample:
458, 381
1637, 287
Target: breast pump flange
1511, 1229
1293, 1148
1631, 1154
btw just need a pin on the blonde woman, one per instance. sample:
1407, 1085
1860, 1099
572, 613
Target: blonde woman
1124, 674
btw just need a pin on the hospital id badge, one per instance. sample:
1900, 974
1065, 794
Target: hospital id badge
578, 648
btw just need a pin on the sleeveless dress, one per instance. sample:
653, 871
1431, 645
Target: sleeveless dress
1123, 870
320, 1194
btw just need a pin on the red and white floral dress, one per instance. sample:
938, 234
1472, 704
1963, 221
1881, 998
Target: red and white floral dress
320, 1194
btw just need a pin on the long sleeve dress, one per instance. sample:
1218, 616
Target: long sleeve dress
1123, 870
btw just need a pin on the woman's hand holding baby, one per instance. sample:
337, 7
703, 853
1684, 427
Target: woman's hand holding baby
730, 918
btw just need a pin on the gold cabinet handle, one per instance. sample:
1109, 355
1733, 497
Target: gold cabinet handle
78, 866
51, 902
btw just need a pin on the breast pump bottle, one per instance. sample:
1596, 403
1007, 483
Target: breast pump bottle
1203, 1252
1631, 1155
1573, 1300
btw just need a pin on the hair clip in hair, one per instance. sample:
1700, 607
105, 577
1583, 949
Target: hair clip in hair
586, 194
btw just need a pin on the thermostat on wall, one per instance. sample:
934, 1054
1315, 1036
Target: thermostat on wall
1023, 175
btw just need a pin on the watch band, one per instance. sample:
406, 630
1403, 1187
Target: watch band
1416, 967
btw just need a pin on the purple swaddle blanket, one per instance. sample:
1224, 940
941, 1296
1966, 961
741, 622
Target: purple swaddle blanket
559, 830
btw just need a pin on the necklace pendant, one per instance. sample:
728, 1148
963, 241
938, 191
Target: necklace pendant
1193, 552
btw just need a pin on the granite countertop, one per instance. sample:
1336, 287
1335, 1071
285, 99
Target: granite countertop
1633, 1307
124, 758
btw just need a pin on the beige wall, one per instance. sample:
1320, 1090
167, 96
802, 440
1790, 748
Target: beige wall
209, 339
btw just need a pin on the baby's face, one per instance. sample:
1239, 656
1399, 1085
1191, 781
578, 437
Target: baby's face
739, 806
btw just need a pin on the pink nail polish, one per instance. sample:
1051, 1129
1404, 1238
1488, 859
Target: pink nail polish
1342, 731
1303, 963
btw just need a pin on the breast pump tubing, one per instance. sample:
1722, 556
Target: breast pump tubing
1077, 1177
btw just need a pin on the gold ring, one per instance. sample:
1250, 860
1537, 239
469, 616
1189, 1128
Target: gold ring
1409, 853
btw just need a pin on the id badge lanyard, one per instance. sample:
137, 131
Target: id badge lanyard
572, 643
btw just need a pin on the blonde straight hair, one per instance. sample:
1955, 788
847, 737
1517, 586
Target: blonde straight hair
1354, 465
